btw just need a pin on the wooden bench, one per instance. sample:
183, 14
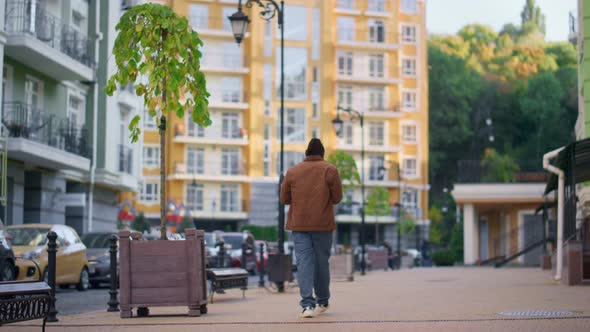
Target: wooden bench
377, 259
22, 301
226, 278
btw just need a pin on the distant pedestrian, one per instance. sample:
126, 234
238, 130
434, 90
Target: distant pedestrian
311, 188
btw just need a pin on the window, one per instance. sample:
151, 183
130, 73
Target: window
231, 90
199, 16
409, 6
266, 150
376, 133
315, 30
409, 133
195, 158
230, 198
409, 100
227, 12
266, 132
408, 33
345, 63
346, 4
149, 123
33, 92
348, 133
149, 192
295, 128
75, 110
376, 65
230, 125
315, 132
296, 25
315, 74
267, 88
292, 158
231, 57
7, 84
409, 67
376, 31
193, 129
377, 5
267, 39
194, 197
376, 99
376, 164
151, 156
78, 20
295, 73
230, 161
344, 96
410, 168
345, 28
315, 111
410, 199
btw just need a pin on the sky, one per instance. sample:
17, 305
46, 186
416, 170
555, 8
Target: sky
448, 16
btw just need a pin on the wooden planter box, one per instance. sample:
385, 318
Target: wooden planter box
162, 273
342, 267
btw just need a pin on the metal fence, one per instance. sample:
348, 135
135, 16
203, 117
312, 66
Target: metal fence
480, 171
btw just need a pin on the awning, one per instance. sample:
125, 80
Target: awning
574, 159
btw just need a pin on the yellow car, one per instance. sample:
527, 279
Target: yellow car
29, 242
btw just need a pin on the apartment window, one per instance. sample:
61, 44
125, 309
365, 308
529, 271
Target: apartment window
231, 57
149, 192
230, 194
230, 125
7, 84
295, 73
294, 124
267, 39
296, 25
227, 12
315, 132
149, 123
78, 20
266, 132
409, 133
344, 96
410, 199
409, 67
75, 110
376, 133
267, 88
266, 158
151, 156
377, 99
292, 158
33, 92
315, 111
315, 74
346, 4
193, 129
194, 197
195, 158
348, 133
409, 100
376, 31
232, 89
376, 164
410, 167
199, 16
376, 65
230, 161
345, 28
345, 63
315, 30
409, 6
377, 5
409, 33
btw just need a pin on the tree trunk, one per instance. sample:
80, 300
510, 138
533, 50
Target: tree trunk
163, 176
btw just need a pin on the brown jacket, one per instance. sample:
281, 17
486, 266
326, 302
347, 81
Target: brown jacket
311, 187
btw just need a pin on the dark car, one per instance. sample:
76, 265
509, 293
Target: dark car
7, 261
99, 259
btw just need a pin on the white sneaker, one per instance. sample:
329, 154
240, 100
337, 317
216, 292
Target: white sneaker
320, 309
307, 312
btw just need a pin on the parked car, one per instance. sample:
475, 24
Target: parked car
8, 270
30, 242
234, 242
99, 257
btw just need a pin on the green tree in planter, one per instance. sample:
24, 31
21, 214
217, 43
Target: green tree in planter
346, 166
187, 222
407, 223
159, 49
140, 224
377, 205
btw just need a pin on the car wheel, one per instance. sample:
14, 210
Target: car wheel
8, 271
84, 282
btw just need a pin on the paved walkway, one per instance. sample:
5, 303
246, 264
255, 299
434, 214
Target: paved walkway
436, 299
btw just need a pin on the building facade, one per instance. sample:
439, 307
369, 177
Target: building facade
366, 55
53, 112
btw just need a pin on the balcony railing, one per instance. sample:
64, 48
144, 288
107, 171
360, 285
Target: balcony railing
213, 205
209, 133
223, 60
352, 35
24, 121
354, 208
125, 159
502, 171
26, 18
229, 168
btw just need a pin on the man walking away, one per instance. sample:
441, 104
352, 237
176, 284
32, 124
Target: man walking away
311, 188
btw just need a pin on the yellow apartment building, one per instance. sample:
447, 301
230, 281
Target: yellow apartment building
368, 55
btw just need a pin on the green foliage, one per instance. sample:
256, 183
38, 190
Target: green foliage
407, 223
346, 239
157, 51
499, 168
139, 224
532, 20
228, 228
347, 169
435, 229
120, 224
443, 257
187, 222
457, 242
265, 233
377, 202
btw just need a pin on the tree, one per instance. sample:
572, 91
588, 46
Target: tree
377, 204
159, 49
346, 166
139, 224
532, 20
498, 167
435, 228
187, 222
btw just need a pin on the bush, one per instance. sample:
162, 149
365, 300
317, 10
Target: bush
457, 242
266, 233
443, 257
187, 222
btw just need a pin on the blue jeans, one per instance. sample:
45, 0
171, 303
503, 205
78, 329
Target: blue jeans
312, 250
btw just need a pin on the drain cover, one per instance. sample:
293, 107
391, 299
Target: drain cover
537, 313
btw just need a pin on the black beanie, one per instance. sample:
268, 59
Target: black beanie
315, 148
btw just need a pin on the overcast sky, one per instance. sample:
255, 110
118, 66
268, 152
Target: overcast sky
448, 16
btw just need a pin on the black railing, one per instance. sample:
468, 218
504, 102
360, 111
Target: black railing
503, 171
29, 17
24, 121
125, 159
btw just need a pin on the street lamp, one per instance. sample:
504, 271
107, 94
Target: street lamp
239, 22
355, 116
398, 205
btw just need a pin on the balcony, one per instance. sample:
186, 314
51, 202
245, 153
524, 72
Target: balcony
228, 99
214, 172
211, 136
44, 43
215, 27
224, 63
351, 38
43, 139
351, 212
125, 159
355, 146
362, 74
127, 97
211, 208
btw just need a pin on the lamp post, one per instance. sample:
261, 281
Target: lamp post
399, 208
239, 23
338, 123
